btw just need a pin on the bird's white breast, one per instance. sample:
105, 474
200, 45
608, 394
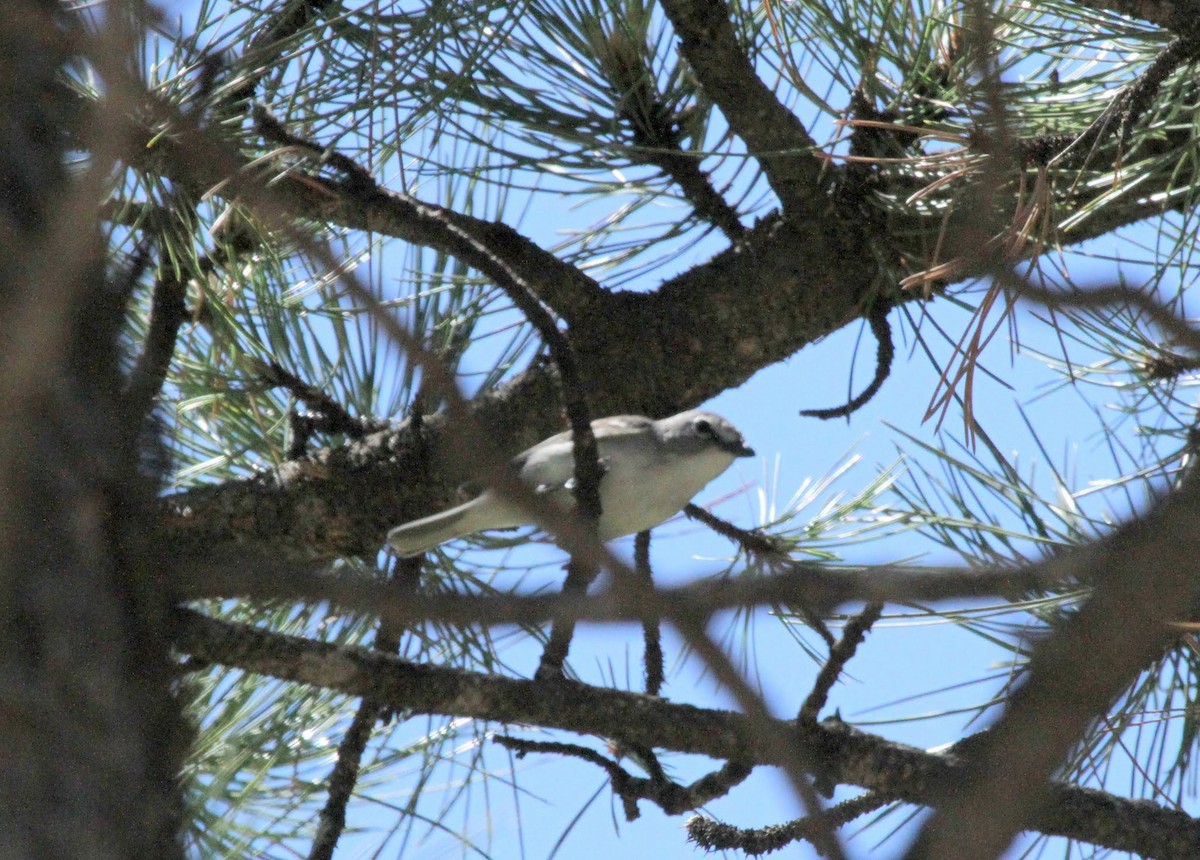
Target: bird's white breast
638, 493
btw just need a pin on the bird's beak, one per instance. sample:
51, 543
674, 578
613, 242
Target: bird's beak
743, 450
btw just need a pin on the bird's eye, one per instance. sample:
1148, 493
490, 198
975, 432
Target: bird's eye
704, 427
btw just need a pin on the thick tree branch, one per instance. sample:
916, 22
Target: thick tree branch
700, 333
656, 130
643, 353
1181, 16
847, 755
773, 134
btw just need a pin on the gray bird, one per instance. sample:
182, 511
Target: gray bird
651, 469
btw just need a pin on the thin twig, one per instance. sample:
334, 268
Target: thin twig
752, 541
1178, 328
316, 399
667, 794
657, 132
1127, 107
275, 36
327, 415
714, 835
884, 355
772, 550
772, 132
403, 581
1138, 98
342, 779
651, 627
840, 654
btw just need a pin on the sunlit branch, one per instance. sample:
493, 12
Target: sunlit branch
773, 134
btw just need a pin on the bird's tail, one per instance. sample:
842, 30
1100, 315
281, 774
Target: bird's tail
420, 536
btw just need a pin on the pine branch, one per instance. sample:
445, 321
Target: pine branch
847, 755
772, 133
1182, 16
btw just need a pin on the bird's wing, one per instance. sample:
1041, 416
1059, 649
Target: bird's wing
612, 427
549, 465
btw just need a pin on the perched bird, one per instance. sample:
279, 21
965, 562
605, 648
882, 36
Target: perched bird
651, 469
